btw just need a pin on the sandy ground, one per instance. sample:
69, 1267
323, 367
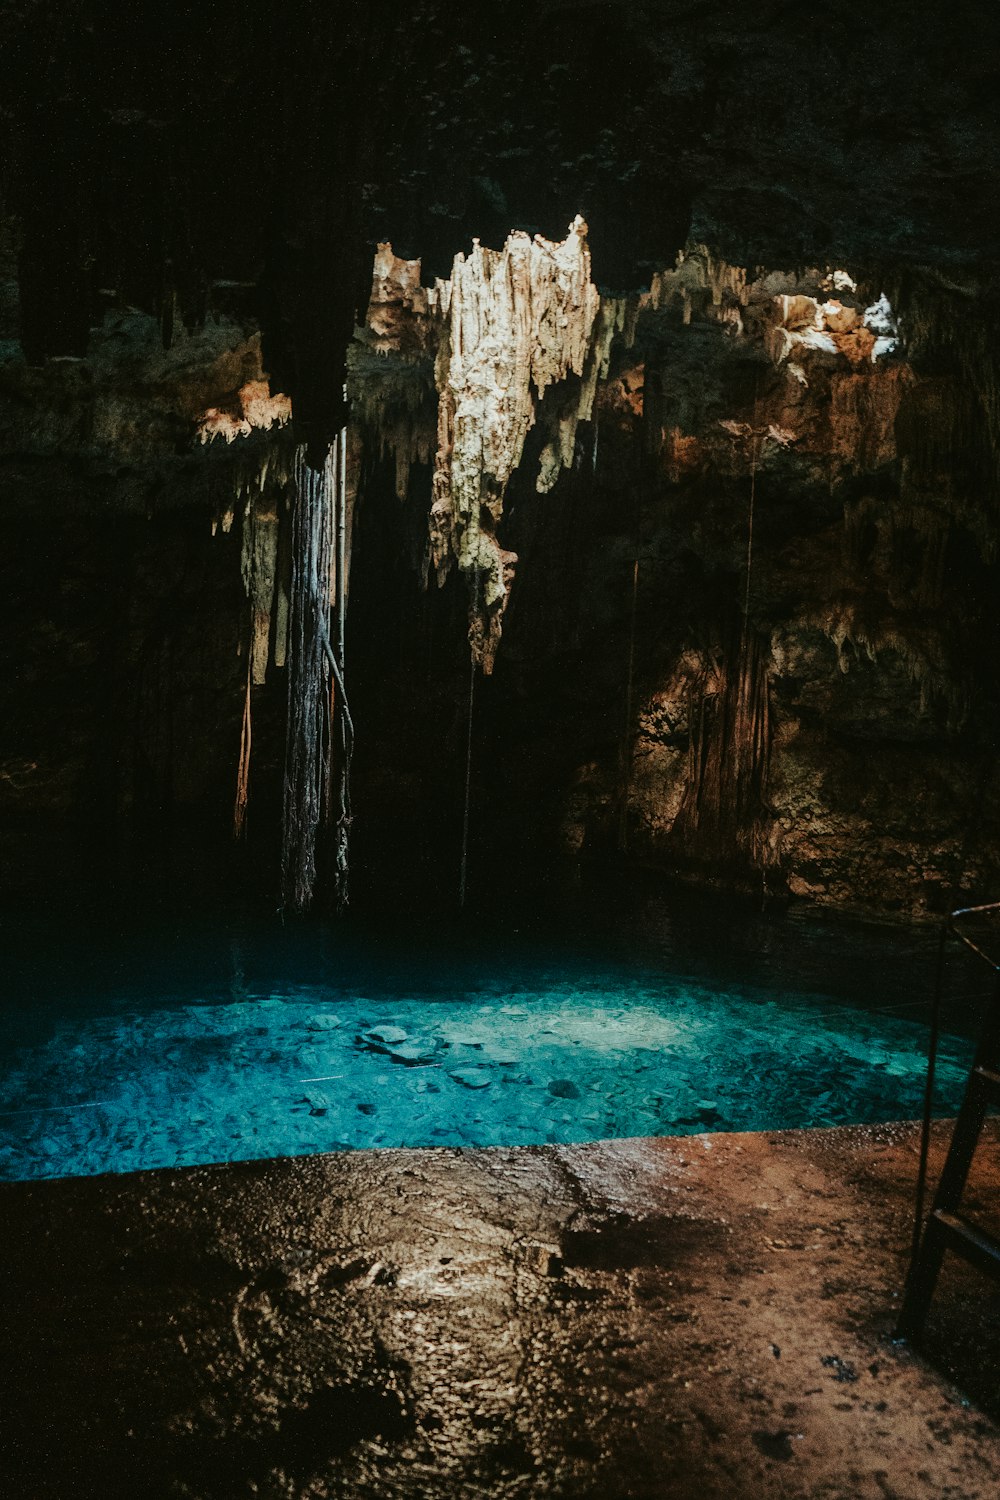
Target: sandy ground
700, 1317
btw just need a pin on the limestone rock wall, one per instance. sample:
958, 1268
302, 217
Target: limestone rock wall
752, 635
751, 632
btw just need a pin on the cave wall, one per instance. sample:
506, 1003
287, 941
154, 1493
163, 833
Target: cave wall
822, 725
189, 205
127, 627
825, 727
120, 695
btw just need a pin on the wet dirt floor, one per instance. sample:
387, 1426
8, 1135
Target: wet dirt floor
707, 1316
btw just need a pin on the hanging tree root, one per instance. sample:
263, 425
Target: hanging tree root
243, 770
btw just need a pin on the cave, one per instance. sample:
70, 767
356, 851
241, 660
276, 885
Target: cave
499, 812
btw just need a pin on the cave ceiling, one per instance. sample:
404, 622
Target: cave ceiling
179, 159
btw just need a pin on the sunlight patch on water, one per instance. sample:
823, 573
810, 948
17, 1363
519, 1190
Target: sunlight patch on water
298, 1069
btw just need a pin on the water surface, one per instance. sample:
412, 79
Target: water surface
188, 1041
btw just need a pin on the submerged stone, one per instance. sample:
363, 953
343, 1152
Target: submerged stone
389, 1036
214, 1088
472, 1078
391, 1040
414, 1053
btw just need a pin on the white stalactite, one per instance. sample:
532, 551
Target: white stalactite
515, 336
521, 318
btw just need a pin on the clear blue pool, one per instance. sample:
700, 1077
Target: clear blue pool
191, 1046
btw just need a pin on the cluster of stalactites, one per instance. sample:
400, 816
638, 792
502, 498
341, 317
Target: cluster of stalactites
697, 273
521, 337
391, 363
857, 629
260, 500
262, 493
521, 320
515, 337
616, 315
252, 408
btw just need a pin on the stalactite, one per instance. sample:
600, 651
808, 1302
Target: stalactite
856, 627
701, 280
259, 498
266, 471
395, 404
391, 363
253, 407
291, 584
281, 623
520, 321
563, 418
514, 337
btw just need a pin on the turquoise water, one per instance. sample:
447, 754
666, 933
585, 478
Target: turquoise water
184, 1050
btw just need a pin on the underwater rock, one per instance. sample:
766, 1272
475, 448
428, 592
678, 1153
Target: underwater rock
705, 1114
324, 1023
415, 1053
471, 1078
388, 1034
318, 1103
383, 1038
564, 1088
